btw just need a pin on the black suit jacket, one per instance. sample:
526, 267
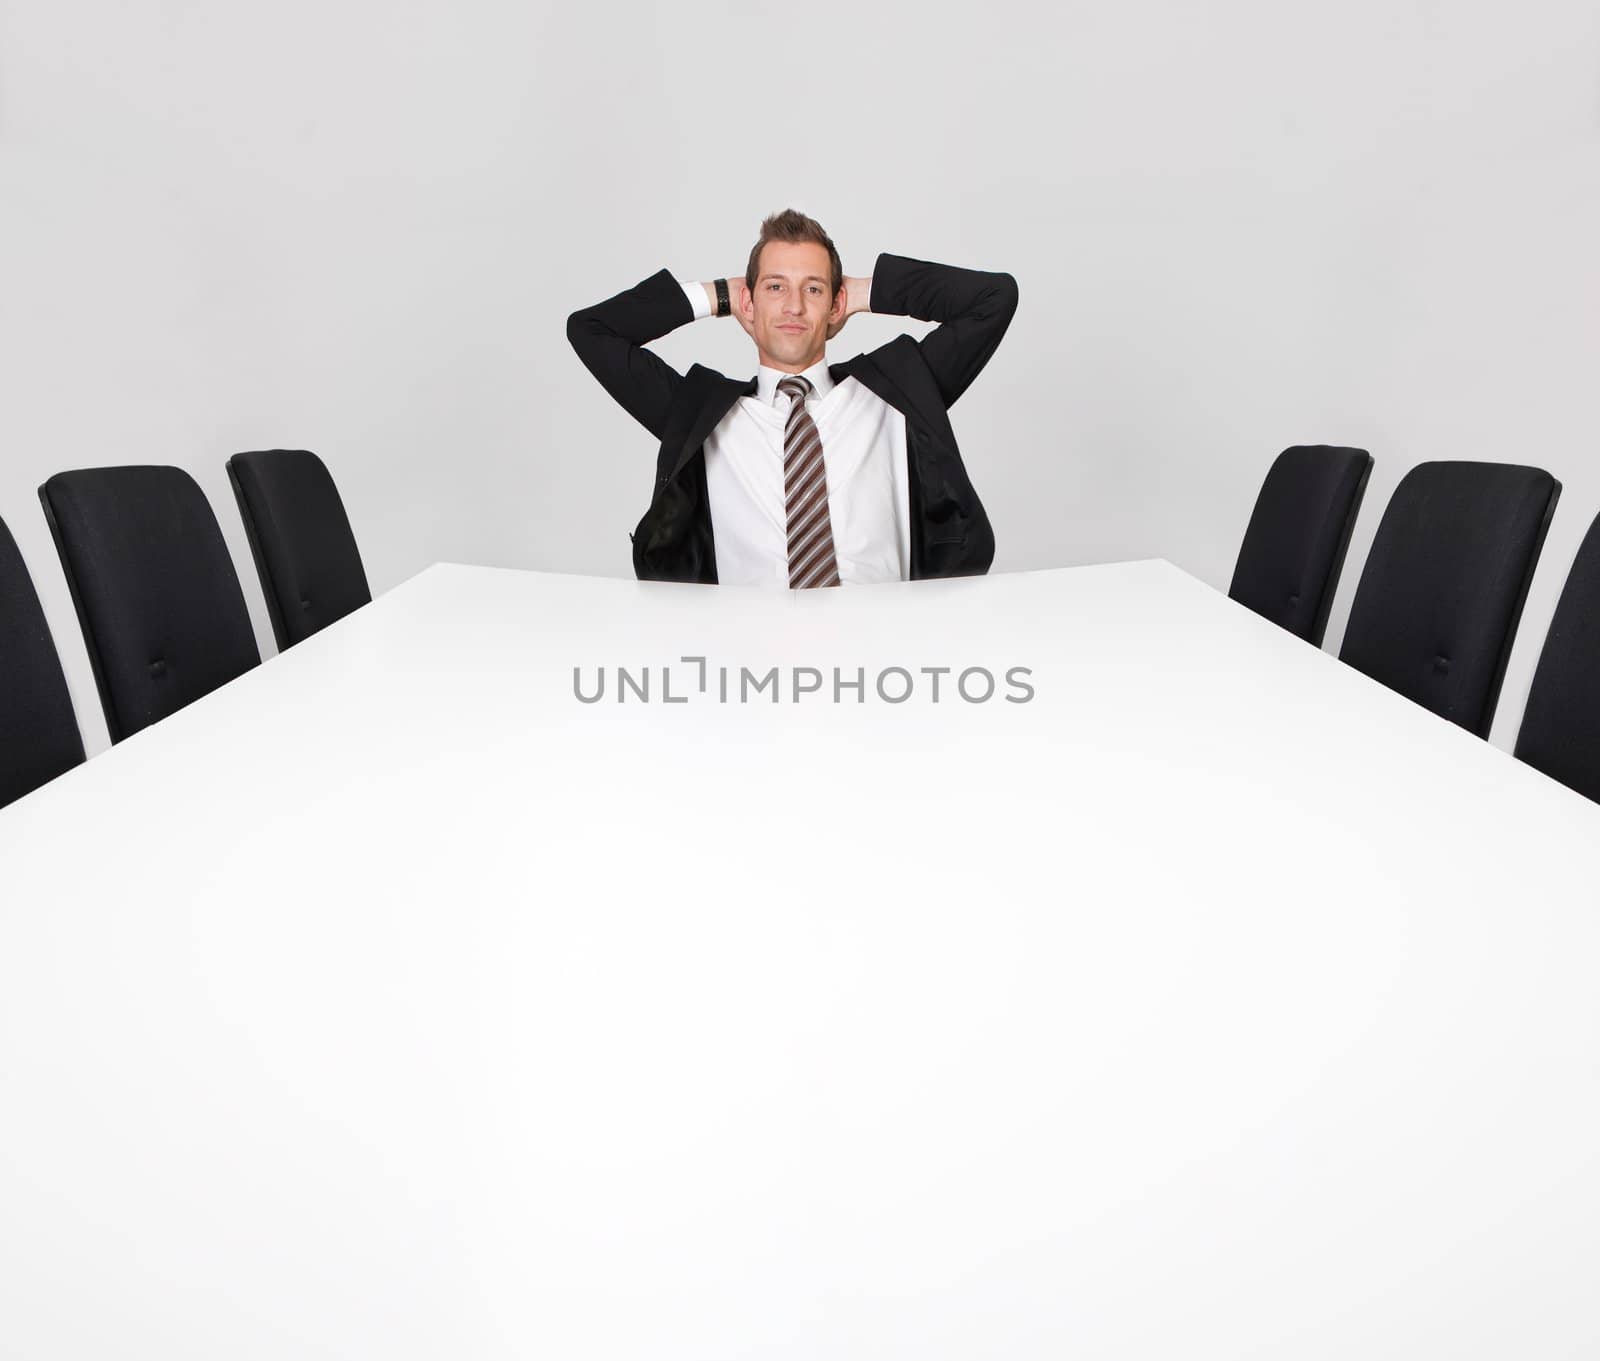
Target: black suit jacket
921, 379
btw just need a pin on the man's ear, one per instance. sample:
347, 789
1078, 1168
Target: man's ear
744, 302
841, 305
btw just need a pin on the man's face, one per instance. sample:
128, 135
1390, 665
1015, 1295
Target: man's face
793, 305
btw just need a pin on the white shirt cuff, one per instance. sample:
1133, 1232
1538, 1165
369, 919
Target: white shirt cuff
696, 294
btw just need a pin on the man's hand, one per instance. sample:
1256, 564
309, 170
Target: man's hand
736, 289
857, 298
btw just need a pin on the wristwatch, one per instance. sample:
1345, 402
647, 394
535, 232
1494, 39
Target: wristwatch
724, 307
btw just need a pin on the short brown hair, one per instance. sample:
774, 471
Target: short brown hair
793, 226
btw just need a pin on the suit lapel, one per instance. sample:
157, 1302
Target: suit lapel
710, 395
711, 398
872, 372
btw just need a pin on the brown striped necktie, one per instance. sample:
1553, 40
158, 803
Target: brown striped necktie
805, 493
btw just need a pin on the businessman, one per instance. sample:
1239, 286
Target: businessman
809, 474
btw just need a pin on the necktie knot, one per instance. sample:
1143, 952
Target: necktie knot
796, 388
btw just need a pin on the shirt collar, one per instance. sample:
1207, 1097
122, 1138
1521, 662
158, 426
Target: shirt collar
817, 375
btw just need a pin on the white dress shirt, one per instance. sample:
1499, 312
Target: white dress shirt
863, 450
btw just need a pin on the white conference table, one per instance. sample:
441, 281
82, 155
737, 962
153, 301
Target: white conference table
391, 1002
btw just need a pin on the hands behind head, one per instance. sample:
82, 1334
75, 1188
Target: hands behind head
856, 299
738, 294
836, 327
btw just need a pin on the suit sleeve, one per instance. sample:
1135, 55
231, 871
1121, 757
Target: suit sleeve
610, 339
973, 309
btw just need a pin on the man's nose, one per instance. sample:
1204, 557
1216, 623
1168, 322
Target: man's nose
792, 302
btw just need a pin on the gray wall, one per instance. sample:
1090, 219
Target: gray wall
358, 228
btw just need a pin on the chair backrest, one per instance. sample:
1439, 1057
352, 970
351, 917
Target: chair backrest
304, 549
158, 600
1442, 590
1561, 724
1294, 545
38, 733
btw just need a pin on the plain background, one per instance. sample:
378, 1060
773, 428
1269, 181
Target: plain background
359, 227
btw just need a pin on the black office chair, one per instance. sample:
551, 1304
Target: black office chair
158, 600
1442, 590
1561, 724
38, 733
1294, 545
305, 553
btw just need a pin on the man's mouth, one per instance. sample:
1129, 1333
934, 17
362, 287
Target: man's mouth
792, 328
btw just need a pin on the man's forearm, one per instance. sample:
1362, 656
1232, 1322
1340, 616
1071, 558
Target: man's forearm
972, 307
943, 293
610, 338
